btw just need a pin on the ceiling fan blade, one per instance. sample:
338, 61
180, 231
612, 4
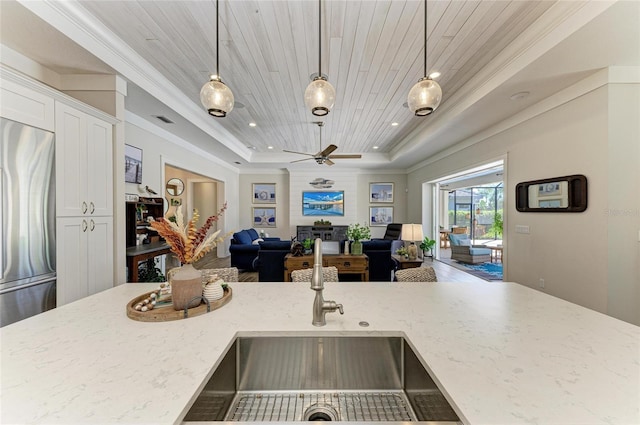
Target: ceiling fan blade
328, 162
356, 156
328, 150
299, 153
298, 160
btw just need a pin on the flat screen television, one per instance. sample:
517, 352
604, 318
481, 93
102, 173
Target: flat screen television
323, 203
132, 164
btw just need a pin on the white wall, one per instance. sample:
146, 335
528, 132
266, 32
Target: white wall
596, 134
160, 147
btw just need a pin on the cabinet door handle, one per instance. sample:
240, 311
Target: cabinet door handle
93, 208
305, 264
93, 225
84, 207
347, 264
84, 225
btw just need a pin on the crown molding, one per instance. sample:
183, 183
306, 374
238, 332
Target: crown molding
71, 19
555, 25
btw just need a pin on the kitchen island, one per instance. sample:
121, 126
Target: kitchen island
500, 352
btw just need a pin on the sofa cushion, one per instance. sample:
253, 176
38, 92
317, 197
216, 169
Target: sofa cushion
275, 245
242, 237
253, 234
455, 239
377, 245
464, 242
479, 251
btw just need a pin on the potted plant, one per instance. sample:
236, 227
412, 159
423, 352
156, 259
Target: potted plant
356, 233
427, 245
307, 244
402, 251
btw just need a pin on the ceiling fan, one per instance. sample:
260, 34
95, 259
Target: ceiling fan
323, 156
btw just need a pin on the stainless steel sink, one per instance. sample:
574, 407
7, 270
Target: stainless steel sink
355, 378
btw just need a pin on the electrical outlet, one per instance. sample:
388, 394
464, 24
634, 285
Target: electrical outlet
522, 229
541, 283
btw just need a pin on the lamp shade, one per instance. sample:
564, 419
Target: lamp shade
320, 96
216, 97
424, 97
412, 232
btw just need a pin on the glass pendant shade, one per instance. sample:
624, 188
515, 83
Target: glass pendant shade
320, 96
424, 97
216, 97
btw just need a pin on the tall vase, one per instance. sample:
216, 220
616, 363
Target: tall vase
356, 248
186, 284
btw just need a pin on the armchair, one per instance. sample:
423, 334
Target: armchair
270, 260
464, 252
381, 264
393, 233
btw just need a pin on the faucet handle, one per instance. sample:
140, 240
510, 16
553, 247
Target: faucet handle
339, 307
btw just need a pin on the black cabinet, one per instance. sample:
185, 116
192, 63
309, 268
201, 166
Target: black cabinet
137, 219
326, 233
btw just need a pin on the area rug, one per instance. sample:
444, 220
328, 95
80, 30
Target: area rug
486, 271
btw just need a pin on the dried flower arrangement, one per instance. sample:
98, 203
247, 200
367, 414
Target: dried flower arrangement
188, 243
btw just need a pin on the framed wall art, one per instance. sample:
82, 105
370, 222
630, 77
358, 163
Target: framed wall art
264, 217
323, 203
381, 192
264, 193
132, 164
380, 216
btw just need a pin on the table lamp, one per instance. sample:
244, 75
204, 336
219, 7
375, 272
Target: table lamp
412, 233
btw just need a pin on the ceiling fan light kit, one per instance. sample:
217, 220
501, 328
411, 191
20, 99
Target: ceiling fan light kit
320, 94
215, 96
425, 96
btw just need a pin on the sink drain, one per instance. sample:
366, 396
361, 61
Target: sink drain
321, 412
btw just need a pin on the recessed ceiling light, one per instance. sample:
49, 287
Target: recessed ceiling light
269, 147
375, 148
394, 124
252, 124
253, 147
519, 95
434, 74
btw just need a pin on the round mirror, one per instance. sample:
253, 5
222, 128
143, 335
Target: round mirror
175, 187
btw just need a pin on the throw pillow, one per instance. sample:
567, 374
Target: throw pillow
242, 237
257, 241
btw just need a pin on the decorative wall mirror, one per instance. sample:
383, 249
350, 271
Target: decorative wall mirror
175, 187
558, 194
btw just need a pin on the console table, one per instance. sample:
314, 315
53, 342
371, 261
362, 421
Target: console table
138, 253
326, 233
345, 263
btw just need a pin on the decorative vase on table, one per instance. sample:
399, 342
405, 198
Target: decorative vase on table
186, 284
356, 248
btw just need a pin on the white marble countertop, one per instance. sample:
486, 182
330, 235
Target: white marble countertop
503, 353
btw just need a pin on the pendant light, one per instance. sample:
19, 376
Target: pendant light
320, 94
425, 96
215, 96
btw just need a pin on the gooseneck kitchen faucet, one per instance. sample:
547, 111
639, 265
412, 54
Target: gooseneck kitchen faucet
320, 306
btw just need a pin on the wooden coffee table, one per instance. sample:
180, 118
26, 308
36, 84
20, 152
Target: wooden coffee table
404, 263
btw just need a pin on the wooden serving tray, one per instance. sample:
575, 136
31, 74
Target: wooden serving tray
166, 313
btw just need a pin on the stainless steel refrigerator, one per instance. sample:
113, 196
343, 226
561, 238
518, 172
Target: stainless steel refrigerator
27, 221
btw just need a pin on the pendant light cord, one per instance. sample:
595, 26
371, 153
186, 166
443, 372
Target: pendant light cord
218, 40
425, 38
319, 38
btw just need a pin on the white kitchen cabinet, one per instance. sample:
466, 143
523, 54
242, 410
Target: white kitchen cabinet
25, 105
84, 163
84, 257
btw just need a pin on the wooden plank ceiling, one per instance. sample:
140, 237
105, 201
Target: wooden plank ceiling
372, 52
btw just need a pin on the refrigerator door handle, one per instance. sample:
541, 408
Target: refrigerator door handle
46, 279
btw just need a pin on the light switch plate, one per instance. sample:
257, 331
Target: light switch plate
522, 229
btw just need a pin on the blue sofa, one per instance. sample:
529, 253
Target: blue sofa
244, 248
